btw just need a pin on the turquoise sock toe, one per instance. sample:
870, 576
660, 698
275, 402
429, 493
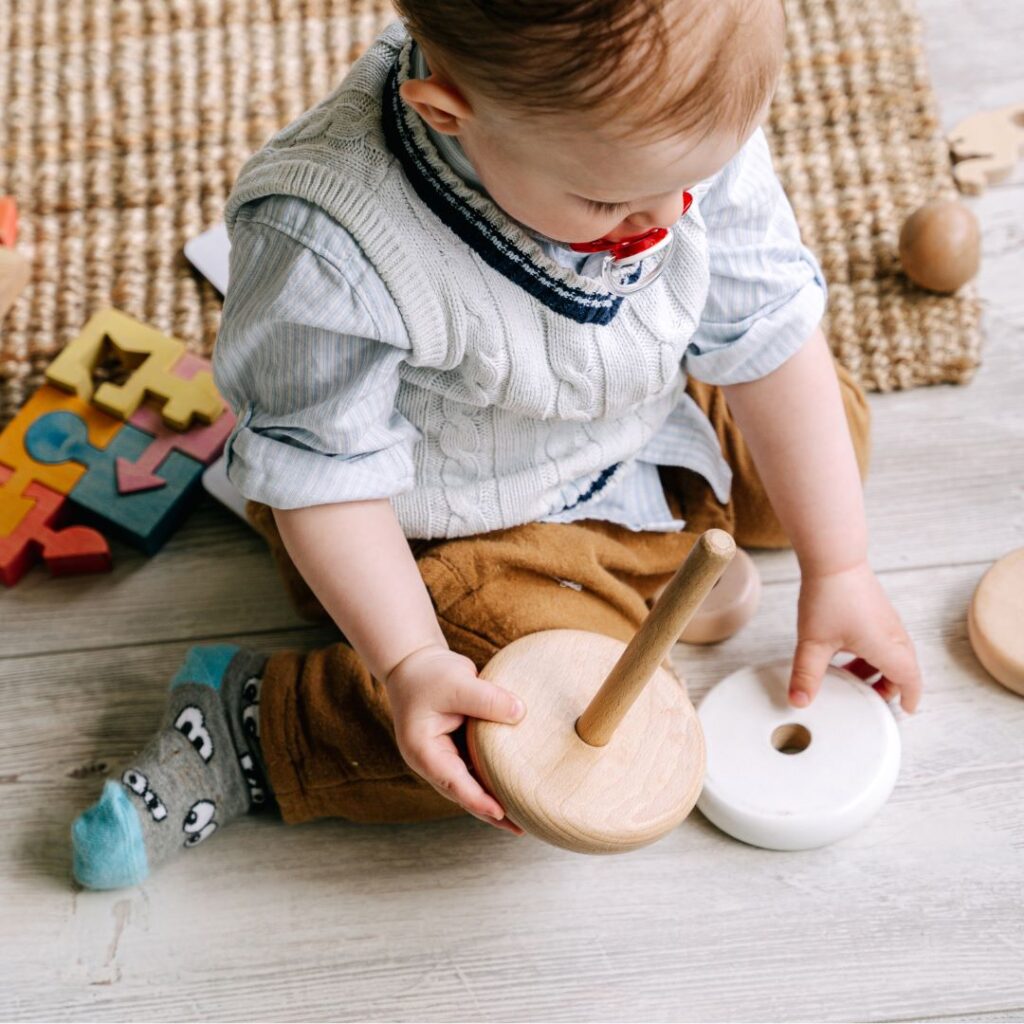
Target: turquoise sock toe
107, 839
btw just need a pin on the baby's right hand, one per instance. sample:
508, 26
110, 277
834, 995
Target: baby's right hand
432, 691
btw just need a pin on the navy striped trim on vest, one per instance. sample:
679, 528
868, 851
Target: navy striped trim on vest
496, 249
596, 487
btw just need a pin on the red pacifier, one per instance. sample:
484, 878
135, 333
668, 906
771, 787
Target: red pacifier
625, 253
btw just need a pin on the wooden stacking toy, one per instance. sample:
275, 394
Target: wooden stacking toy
601, 767
787, 778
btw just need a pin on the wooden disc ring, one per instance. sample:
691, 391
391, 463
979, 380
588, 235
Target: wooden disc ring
730, 605
609, 755
995, 618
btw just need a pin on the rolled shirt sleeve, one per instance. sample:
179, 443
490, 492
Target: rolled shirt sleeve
767, 292
308, 356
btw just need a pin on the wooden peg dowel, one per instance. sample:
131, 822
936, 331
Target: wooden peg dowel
660, 630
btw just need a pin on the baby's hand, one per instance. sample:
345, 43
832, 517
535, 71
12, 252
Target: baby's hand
432, 691
848, 610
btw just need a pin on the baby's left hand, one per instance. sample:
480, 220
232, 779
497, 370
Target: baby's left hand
848, 610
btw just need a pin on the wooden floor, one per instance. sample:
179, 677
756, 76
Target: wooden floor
917, 917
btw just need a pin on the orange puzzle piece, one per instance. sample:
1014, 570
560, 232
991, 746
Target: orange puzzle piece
60, 477
151, 356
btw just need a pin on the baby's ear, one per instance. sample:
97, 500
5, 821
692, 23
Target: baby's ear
441, 104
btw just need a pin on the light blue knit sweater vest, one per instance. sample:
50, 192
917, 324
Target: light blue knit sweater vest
524, 376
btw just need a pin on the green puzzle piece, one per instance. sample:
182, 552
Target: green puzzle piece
144, 519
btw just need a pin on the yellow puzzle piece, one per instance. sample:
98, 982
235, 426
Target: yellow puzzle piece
150, 355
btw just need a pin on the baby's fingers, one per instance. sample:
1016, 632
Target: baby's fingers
895, 658
810, 663
480, 699
445, 770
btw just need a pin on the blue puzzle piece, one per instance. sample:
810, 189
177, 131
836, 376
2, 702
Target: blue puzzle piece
144, 519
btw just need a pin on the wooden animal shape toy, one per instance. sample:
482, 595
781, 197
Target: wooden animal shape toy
609, 755
985, 147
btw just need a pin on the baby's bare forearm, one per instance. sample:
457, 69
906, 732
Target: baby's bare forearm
795, 425
358, 563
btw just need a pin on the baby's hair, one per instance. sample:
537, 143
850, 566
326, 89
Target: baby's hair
655, 67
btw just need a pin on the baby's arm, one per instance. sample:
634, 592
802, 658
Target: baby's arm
309, 356
359, 564
758, 339
794, 423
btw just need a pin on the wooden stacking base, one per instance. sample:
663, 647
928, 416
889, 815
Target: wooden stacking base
590, 799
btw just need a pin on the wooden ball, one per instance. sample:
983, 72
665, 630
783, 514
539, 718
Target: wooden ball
994, 620
940, 246
589, 799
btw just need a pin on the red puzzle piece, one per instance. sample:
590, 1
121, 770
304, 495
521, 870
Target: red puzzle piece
67, 552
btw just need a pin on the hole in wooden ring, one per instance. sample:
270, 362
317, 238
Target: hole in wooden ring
791, 738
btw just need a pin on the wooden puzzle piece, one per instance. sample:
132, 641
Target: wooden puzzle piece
14, 274
202, 443
70, 551
8, 221
984, 147
151, 356
144, 519
14, 503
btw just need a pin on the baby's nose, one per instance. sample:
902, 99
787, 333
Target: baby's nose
662, 214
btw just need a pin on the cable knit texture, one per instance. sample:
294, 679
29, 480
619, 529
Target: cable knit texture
523, 376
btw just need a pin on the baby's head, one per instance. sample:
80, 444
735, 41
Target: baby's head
588, 118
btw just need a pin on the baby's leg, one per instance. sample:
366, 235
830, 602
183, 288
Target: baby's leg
313, 732
203, 768
749, 515
326, 727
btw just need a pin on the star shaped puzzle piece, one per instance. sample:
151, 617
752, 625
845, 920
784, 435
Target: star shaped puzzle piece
150, 356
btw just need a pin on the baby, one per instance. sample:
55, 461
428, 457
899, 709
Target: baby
515, 314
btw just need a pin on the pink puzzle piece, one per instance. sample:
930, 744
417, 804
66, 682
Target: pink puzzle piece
202, 443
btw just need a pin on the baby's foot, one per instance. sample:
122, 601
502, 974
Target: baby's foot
202, 769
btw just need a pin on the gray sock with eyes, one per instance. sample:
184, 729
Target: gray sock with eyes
203, 768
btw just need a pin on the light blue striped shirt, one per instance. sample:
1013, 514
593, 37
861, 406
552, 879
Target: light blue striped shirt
311, 342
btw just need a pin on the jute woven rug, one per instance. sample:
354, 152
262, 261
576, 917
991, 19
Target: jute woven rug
124, 123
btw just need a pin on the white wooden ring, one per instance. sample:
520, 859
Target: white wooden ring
841, 766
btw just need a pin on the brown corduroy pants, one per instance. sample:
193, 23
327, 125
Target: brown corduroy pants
325, 723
